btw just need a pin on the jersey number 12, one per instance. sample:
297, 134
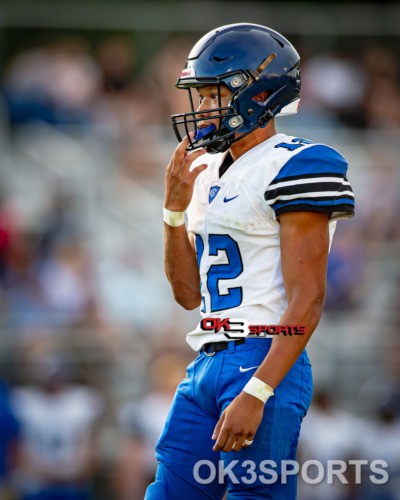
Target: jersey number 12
217, 272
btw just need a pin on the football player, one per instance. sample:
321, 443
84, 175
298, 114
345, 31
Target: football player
261, 211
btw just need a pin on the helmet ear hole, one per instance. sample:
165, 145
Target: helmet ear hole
262, 96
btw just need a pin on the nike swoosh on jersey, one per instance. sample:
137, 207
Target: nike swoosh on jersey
229, 199
247, 369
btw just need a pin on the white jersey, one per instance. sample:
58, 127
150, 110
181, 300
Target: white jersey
55, 428
237, 233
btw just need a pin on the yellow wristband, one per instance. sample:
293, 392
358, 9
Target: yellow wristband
173, 219
258, 389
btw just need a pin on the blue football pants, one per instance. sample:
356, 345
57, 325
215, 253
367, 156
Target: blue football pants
188, 466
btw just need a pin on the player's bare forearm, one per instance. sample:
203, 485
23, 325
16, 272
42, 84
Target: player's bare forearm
304, 251
285, 350
181, 266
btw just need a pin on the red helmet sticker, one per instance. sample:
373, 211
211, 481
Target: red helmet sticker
188, 72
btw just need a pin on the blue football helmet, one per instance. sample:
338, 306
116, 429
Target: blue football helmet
249, 59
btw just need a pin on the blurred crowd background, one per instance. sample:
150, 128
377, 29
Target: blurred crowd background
92, 344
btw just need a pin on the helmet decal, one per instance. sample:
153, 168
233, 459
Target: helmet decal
188, 72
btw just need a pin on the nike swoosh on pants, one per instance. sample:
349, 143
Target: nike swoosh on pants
247, 369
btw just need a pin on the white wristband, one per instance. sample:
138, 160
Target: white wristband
173, 219
258, 389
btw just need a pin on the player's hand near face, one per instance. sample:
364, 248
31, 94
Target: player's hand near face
239, 422
180, 261
179, 179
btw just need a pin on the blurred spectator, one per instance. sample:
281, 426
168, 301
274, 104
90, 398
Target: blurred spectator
382, 101
335, 84
117, 58
383, 443
126, 111
57, 456
142, 422
55, 84
61, 222
53, 292
118, 112
66, 283
25, 307
9, 226
346, 269
329, 433
379, 219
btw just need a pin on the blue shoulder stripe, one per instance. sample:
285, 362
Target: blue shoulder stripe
314, 160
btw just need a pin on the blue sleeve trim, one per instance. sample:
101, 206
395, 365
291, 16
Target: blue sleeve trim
315, 159
333, 203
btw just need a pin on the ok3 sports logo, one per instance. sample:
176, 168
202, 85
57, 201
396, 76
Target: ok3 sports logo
239, 328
